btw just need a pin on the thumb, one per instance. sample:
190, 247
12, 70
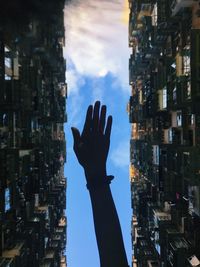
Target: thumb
76, 135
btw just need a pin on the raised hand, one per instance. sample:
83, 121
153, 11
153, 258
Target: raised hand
92, 146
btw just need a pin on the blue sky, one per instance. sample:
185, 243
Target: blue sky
97, 69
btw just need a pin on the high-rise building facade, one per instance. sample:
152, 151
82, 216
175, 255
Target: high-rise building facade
164, 112
32, 141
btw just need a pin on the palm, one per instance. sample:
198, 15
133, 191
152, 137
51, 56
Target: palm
92, 146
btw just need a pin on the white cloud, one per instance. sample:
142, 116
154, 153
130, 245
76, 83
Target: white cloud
74, 81
96, 40
120, 155
98, 90
74, 110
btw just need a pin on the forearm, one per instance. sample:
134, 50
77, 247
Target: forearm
107, 228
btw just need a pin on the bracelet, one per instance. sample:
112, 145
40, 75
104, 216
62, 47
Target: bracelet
93, 185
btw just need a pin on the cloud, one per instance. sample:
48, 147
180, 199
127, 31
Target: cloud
74, 81
120, 155
74, 110
97, 41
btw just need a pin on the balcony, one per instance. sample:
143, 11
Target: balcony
63, 222
196, 16
162, 99
63, 261
5, 262
177, 5
161, 217
17, 250
183, 64
178, 249
146, 10
194, 199
152, 263
195, 64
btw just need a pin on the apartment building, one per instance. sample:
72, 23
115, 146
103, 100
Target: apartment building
164, 112
32, 141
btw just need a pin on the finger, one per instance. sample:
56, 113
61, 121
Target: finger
88, 120
76, 136
108, 128
102, 119
95, 119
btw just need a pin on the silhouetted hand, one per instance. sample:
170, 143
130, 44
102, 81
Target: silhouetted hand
92, 146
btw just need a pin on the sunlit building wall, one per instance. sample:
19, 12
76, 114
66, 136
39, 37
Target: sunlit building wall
32, 141
164, 112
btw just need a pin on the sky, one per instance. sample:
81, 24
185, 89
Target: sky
97, 56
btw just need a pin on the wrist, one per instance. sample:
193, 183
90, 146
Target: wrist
95, 174
99, 182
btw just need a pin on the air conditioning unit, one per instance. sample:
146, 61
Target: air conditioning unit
194, 261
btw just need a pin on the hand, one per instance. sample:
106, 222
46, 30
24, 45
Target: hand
92, 146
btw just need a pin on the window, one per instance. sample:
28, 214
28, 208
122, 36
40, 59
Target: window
164, 98
188, 90
7, 77
7, 199
179, 118
156, 154
174, 95
186, 65
7, 60
192, 119
155, 15
170, 136
186, 159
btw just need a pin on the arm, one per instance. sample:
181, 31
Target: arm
107, 228
91, 148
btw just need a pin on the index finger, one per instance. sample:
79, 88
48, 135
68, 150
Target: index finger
88, 120
108, 127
